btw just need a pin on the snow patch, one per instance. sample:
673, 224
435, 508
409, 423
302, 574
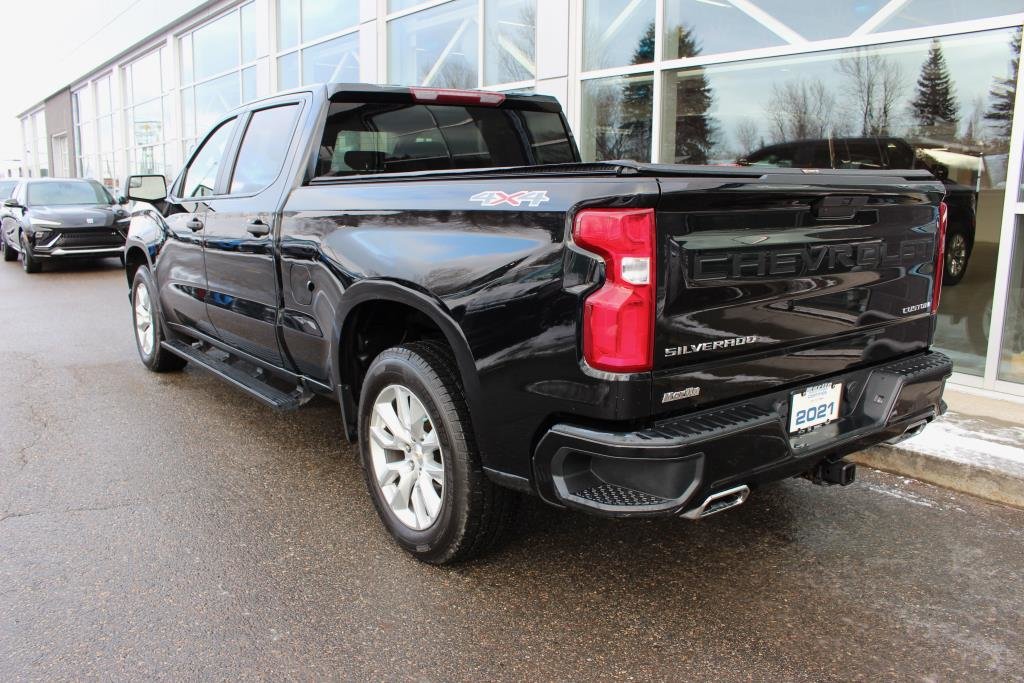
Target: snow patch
969, 440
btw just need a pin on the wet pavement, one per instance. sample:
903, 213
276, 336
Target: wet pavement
168, 527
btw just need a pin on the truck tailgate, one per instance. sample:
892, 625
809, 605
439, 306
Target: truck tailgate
779, 280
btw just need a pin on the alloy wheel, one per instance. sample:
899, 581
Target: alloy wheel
956, 257
144, 332
408, 464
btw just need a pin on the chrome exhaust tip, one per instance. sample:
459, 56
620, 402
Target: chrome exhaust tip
719, 502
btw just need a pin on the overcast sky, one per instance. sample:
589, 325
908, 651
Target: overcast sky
49, 43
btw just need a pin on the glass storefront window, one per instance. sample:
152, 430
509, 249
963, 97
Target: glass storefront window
214, 98
287, 23
436, 47
1011, 357
399, 5
510, 50
918, 13
694, 27
324, 17
288, 71
215, 46
335, 61
250, 46
617, 33
918, 104
806, 17
617, 118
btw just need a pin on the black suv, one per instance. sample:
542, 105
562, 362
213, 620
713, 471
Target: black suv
49, 218
884, 153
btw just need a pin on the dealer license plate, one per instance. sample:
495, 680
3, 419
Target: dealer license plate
815, 406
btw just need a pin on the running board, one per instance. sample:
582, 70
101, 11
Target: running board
255, 387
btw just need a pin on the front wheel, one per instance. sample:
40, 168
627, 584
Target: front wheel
957, 254
149, 327
29, 263
10, 253
420, 459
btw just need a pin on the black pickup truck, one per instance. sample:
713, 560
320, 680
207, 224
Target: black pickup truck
494, 316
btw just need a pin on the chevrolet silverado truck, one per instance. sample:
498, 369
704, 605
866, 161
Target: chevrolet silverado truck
495, 317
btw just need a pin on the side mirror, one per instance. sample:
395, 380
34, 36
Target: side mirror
145, 188
122, 200
12, 203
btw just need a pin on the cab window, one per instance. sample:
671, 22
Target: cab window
201, 177
264, 148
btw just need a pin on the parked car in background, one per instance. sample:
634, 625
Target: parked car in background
884, 153
59, 218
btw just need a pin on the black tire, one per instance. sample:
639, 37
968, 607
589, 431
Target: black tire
10, 253
29, 263
474, 511
158, 359
958, 254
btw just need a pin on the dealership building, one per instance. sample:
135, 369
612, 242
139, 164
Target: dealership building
843, 83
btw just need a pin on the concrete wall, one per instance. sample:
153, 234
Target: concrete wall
58, 123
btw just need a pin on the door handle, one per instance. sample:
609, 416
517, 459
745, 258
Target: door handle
195, 225
257, 228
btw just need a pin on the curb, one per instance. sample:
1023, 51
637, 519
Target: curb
995, 484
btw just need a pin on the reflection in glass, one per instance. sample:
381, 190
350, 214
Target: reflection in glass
249, 84
187, 68
323, 17
617, 32
398, 5
215, 46
938, 104
1011, 357
510, 52
694, 27
617, 118
250, 40
805, 16
144, 78
215, 97
287, 23
335, 61
436, 47
288, 71
917, 13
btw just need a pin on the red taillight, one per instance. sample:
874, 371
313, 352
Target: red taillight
940, 257
618, 319
480, 98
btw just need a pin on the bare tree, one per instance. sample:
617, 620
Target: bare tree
874, 86
748, 136
516, 46
974, 124
801, 110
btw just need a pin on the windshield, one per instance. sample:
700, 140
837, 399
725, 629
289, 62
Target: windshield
67, 193
7, 188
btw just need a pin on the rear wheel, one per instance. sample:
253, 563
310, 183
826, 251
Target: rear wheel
29, 263
420, 459
149, 327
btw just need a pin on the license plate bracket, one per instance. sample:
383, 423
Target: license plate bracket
814, 406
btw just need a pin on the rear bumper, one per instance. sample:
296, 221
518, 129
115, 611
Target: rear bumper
670, 467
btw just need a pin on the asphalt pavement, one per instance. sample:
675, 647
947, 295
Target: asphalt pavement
167, 527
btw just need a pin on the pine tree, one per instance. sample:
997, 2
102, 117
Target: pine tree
935, 107
1004, 92
695, 130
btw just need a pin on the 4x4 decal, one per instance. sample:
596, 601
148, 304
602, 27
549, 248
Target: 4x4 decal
497, 198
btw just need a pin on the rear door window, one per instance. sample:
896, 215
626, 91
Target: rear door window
264, 147
397, 138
